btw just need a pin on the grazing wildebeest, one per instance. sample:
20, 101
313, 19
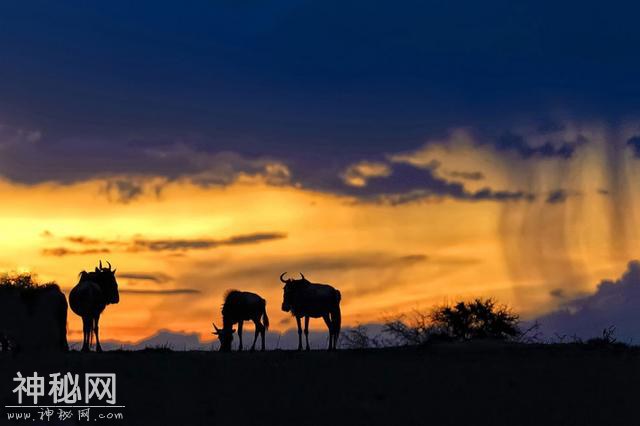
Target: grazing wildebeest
33, 318
305, 299
241, 306
94, 291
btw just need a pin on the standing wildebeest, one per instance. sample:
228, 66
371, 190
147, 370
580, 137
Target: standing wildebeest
241, 306
94, 291
33, 317
305, 299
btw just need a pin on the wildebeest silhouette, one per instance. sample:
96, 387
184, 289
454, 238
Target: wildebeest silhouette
94, 291
33, 317
305, 299
240, 306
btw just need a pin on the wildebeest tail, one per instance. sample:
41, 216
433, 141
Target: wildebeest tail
90, 333
265, 318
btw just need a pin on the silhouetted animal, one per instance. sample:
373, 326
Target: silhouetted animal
240, 306
33, 318
94, 291
305, 299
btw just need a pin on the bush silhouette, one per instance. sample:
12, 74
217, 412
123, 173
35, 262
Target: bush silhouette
413, 329
22, 293
359, 337
479, 319
26, 283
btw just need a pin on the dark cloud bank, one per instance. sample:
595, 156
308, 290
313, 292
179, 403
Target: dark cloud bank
210, 91
614, 303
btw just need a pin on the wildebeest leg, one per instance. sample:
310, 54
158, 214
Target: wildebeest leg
97, 332
86, 332
255, 335
330, 327
306, 331
240, 334
336, 320
299, 333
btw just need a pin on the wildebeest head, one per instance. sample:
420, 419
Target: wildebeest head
290, 288
225, 336
107, 279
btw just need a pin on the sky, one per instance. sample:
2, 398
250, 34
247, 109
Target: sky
409, 154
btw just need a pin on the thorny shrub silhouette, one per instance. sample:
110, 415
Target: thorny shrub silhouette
607, 340
478, 319
359, 337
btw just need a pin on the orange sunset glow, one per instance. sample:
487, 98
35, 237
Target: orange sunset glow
179, 246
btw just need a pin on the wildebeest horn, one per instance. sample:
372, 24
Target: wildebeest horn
283, 274
302, 276
100, 264
109, 265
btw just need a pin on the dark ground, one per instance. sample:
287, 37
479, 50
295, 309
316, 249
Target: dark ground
470, 384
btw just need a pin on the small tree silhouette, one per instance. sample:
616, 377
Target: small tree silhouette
479, 319
20, 281
359, 338
24, 282
412, 329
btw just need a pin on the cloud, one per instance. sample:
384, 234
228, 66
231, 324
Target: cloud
146, 165
201, 244
422, 174
410, 181
123, 190
557, 293
63, 251
82, 240
358, 174
634, 144
285, 117
165, 292
206, 168
11, 136
140, 244
133, 170
513, 142
557, 196
485, 194
465, 175
614, 303
155, 277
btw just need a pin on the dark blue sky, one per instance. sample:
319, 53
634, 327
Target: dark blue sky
315, 84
